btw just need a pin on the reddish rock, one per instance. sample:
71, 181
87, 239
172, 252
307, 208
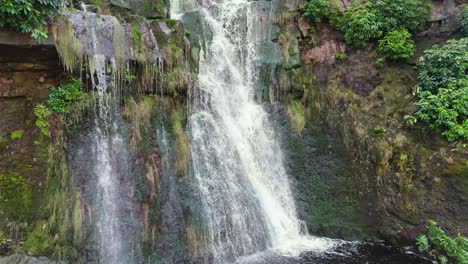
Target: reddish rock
304, 27
325, 53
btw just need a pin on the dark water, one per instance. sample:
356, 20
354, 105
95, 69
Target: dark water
348, 253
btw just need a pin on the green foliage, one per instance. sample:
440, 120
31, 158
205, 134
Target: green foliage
464, 19
42, 113
410, 120
442, 94
341, 56
409, 14
360, 24
17, 134
60, 98
137, 37
27, 16
379, 129
447, 109
316, 10
380, 62
442, 65
397, 44
370, 20
442, 247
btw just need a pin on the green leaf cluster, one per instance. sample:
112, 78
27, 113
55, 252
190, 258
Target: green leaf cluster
464, 19
442, 247
397, 44
316, 10
61, 97
42, 113
442, 94
59, 101
392, 19
28, 16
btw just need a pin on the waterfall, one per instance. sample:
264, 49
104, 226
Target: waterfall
110, 178
237, 161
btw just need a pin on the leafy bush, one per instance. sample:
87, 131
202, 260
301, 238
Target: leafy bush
442, 247
370, 20
409, 14
316, 10
360, 24
442, 65
397, 44
464, 19
442, 93
61, 97
27, 16
446, 109
59, 102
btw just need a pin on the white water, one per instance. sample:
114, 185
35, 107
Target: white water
238, 163
112, 190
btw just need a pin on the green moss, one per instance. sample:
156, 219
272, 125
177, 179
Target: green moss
15, 197
181, 145
296, 113
39, 241
17, 134
137, 37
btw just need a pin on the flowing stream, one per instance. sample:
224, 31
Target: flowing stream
238, 164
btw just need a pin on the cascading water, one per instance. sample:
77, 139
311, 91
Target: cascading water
238, 166
111, 185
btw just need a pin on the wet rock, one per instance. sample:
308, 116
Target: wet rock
120, 3
23, 259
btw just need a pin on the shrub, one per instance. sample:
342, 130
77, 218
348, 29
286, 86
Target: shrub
360, 24
370, 20
447, 109
409, 14
464, 19
316, 10
442, 247
27, 16
442, 93
397, 44
61, 97
442, 65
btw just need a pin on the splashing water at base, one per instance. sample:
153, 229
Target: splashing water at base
238, 163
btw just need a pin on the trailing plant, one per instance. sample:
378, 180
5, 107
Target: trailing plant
441, 246
42, 113
28, 16
442, 94
316, 10
397, 44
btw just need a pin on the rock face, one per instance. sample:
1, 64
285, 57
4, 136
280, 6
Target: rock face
23, 259
27, 73
402, 176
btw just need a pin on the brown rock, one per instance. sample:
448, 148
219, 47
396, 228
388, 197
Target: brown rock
304, 27
325, 53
